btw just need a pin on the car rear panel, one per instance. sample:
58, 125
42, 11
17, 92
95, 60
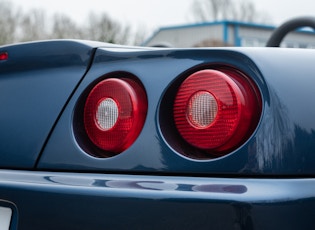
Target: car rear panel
267, 182
35, 83
282, 144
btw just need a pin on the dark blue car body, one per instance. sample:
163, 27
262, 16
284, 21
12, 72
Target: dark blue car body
50, 180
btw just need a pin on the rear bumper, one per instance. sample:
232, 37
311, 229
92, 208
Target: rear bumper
46, 200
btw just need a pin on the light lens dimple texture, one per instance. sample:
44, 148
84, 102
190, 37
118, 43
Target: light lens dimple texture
202, 109
114, 114
203, 130
216, 110
107, 114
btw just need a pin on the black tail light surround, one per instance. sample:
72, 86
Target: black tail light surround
210, 111
110, 114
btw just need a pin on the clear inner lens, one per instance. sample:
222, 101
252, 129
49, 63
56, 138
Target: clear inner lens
107, 114
202, 109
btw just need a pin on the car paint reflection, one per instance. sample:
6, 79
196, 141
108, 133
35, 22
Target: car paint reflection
149, 185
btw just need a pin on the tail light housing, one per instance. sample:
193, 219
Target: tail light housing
216, 110
114, 114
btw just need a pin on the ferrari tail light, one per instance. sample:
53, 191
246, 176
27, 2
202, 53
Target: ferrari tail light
215, 110
114, 114
4, 56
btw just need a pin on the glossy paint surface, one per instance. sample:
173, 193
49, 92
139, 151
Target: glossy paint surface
282, 144
95, 201
50, 179
35, 83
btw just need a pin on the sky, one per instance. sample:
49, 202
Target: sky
152, 14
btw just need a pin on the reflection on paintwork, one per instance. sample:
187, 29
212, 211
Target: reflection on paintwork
221, 188
148, 185
276, 135
79, 181
261, 190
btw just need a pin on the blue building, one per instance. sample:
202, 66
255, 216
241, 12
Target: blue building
226, 33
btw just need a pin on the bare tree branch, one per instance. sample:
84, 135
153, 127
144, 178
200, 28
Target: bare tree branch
213, 10
8, 22
35, 24
64, 27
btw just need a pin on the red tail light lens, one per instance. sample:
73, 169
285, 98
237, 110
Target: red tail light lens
4, 56
216, 110
114, 114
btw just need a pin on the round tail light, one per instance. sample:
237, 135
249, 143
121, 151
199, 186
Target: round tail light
216, 110
114, 114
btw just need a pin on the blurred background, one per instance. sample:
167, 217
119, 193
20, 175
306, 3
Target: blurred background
139, 22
